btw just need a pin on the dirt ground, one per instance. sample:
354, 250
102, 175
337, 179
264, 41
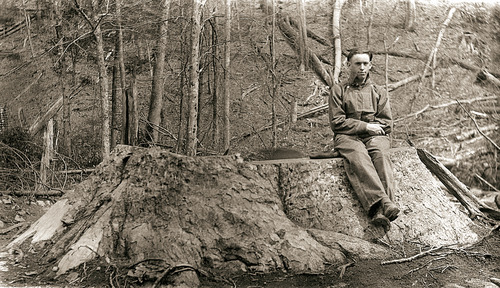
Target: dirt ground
467, 267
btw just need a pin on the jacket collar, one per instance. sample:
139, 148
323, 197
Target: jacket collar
360, 85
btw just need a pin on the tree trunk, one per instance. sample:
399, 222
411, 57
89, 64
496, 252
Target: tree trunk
27, 18
215, 96
436, 47
370, 24
291, 37
48, 151
274, 83
226, 139
103, 82
304, 62
132, 113
40, 122
192, 128
336, 38
411, 11
122, 74
4, 122
115, 95
66, 106
156, 101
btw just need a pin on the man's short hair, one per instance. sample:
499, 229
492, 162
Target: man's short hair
355, 51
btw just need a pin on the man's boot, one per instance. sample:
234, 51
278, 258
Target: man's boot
380, 220
390, 209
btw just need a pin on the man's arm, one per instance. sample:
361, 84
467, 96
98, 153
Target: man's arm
337, 116
384, 114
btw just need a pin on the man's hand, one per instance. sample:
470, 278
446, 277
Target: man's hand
375, 129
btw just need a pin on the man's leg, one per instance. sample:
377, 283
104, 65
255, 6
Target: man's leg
361, 172
378, 149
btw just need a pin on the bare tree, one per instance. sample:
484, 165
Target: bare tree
215, 97
115, 95
370, 24
121, 72
191, 139
103, 82
61, 67
48, 150
95, 25
411, 11
337, 7
27, 18
132, 113
227, 73
273, 75
303, 65
156, 101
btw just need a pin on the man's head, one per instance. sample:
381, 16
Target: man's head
359, 64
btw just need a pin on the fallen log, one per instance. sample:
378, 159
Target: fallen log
473, 133
291, 37
456, 187
312, 35
39, 193
13, 227
484, 75
40, 122
13, 29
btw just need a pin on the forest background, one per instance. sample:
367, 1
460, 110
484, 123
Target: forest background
79, 77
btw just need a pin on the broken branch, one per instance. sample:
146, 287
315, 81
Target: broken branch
477, 127
408, 259
451, 182
438, 42
429, 107
8, 229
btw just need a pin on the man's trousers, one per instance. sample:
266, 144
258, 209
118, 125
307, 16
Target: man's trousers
368, 168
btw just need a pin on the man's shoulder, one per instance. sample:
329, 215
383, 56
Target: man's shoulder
337, 89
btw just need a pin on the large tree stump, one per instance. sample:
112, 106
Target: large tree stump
223, 214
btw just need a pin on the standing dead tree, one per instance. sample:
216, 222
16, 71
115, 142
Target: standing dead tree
191, 139
436, 47
227, 72
336, 38
156, 101
95, 25
303, 65
411, 11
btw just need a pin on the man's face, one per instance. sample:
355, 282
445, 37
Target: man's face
359, 66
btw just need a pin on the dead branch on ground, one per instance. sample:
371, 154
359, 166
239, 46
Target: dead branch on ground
8, 229
455, 187
477, 127
34, 193
473, 133
483, 74
486, 182
13, 29
409, 259
433, 107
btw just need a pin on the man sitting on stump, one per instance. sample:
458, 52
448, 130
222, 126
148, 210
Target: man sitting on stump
360, 117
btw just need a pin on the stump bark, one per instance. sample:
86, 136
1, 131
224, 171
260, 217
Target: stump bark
229, 216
